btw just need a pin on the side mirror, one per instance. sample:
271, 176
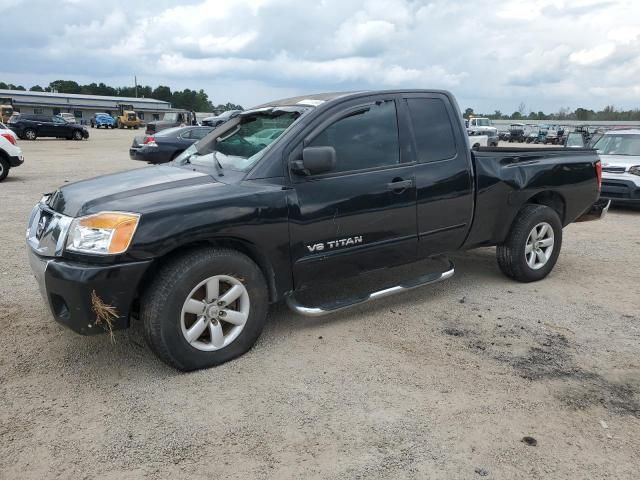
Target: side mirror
315, 160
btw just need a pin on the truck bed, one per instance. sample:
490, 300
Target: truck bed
506, 178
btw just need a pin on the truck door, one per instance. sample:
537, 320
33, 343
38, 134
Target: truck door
362, 214
58, 127
444, 176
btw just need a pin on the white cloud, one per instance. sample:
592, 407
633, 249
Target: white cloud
493, 54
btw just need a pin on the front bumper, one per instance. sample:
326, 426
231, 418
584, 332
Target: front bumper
16, 161
67, 288
620, 190
85, 134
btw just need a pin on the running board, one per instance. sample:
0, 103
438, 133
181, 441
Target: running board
339, 305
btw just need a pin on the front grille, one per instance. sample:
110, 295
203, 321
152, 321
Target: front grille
613, 169
47, 230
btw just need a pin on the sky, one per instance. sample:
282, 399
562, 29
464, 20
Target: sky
492, 54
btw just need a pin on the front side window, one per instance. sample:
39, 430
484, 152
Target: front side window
366, 138
240, 147
59, 120
432, 129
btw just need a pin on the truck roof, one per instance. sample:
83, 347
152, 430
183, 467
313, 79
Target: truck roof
317, 99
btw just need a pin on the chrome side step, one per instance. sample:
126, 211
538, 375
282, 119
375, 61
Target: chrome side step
339, 305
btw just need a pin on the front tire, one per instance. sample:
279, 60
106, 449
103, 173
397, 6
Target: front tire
204, 308
531, 249
77, 135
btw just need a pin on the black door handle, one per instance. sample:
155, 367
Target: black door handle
400, 185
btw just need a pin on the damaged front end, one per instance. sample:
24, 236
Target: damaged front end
89, 299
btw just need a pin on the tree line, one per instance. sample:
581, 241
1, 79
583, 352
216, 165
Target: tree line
609, 113
186, 99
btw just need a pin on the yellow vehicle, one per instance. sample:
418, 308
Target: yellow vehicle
6, 109
128, 117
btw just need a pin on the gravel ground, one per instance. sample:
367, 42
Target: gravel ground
440, 382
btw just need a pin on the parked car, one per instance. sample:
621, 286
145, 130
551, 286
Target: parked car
68, 117
10, 153
30, 127
4, 129
102, 120
620, 154
504, 135
170, 120
198, 249
166, 145
477, 141
483, 126
575, 140
517, 133
220, 119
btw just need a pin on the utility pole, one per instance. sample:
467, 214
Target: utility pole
135, 80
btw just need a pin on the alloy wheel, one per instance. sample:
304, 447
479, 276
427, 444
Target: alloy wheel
215, 313
539, 246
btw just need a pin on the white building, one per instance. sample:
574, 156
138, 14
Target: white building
82, 106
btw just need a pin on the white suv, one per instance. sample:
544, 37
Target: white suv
619, 152
10, 153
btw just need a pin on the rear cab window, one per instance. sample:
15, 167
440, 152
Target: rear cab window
432, 128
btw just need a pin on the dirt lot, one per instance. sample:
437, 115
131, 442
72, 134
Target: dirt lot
441, 382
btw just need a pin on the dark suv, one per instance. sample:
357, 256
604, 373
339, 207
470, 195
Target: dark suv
30, 127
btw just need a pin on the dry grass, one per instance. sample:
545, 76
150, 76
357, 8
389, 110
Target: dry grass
105, 314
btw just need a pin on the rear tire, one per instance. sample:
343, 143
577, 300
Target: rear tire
531, 248
178, 283
4, 169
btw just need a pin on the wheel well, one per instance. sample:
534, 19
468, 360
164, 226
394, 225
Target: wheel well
552, 200
231, 243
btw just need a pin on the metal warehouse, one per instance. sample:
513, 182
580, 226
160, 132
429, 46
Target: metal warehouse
82, 106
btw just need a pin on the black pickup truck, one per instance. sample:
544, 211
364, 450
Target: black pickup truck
293, 193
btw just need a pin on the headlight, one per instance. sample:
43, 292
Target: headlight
635, 170
106, 233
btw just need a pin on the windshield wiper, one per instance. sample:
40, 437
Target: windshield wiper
217, 164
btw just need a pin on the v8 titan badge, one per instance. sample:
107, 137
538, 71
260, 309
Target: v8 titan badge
333, 244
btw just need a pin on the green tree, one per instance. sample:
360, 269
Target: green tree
468, 112
36, 88
583, 114
65, 86
162, 92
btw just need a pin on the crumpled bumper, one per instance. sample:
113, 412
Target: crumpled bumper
68, 290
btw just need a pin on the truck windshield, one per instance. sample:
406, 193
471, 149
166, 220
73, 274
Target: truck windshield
170, 117
244, 144
619, 145
483, 122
